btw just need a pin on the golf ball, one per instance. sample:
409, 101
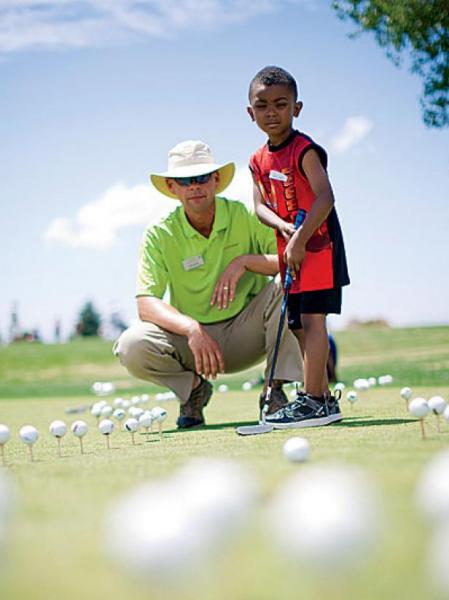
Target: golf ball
106, 411
95, 411
438, 551
159, 414
296, 449
437, 404
106, 427
223, 388
339, 386
119, 414
131, 425
118, 402
247, 386
361, 384
135, 411
446, 414
4, 434
351, 396
58, 429
432, 490
79, 428
144, 398
406, 393
372, 381
28, 434
135, 400
418, 408
146, 419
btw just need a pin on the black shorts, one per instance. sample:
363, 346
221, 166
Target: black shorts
320, 302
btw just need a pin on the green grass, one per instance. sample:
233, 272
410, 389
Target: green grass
56, 533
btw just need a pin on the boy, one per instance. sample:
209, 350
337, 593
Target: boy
289, 174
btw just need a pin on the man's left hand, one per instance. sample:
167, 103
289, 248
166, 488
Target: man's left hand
224, 291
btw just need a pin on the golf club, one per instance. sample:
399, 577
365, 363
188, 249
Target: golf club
264, 427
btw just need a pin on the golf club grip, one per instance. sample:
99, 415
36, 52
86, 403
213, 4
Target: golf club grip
299, 220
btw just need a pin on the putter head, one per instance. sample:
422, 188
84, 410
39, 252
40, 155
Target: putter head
254, 429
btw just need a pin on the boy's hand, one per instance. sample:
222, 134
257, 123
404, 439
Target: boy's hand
294, 255
286, 230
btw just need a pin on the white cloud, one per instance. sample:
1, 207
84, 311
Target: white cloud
98, 223
78, 23
354, 130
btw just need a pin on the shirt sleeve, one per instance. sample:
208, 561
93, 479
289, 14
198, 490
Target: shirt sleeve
152, 275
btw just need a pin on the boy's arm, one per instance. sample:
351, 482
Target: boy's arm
321, 207
270, 218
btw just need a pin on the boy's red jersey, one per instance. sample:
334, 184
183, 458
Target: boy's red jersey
285, 189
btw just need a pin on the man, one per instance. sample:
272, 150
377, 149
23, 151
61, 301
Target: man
214, 259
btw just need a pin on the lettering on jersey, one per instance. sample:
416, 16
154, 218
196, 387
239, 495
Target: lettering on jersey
289, 190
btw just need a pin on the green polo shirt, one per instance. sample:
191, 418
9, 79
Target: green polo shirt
175, 257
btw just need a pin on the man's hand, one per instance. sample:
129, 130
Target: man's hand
224, 291
286, 230
206, 352
294, 254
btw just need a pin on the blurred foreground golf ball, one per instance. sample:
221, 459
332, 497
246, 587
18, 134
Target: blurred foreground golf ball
58, 429
158, 538
4, 434
432, 490
28, 434
446, 414
437, 554
351, 396
437, 404
6, 501
326, 517
406, 393
418, 408
296, 449
106, 427
79, 428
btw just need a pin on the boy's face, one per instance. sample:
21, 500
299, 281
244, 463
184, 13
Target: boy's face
273, 108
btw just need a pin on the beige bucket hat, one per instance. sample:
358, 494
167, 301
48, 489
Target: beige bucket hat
188, 159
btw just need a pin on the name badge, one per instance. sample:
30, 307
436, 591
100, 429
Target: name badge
278, 176
192, 263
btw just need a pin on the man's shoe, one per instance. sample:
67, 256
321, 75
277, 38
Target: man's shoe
305, 411
191, 413
278, 400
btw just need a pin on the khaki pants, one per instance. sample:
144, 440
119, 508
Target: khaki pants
164, 358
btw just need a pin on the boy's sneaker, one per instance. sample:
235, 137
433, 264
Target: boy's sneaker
191, 413
305, 411
333, 407
278, 400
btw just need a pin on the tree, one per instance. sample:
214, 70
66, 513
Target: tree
89, 321
419, 27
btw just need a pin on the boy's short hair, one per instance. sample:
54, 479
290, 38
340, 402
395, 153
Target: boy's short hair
272, 75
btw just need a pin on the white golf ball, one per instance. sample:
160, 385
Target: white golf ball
4, 434
361, 384
437, 404
79, 428
406, 393
28, 434
108, 388
223, 388
432, 490
296, 449
247, 386
135, 400
126, 404
159, 414
118, 402
95, 411
58, 429
106, 411
106, 427
351, 396
372, 381
146, 419
131, 425
326, 517
418, 408
135, 411
339, 386
144, 398
119, 414
97, 387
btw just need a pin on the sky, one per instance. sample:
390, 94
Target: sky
94, 93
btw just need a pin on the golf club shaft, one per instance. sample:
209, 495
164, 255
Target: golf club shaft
301, 215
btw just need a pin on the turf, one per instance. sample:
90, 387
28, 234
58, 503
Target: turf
56, 535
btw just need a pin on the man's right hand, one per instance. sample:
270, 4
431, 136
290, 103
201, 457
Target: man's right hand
206, 352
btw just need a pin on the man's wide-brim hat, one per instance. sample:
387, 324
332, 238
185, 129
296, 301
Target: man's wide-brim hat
190, 159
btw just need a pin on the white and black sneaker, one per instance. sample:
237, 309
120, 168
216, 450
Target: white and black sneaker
306, 411
333, 407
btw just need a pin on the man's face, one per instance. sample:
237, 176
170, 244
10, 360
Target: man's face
197, 198
273, 108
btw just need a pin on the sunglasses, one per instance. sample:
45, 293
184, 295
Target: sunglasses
199, 179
